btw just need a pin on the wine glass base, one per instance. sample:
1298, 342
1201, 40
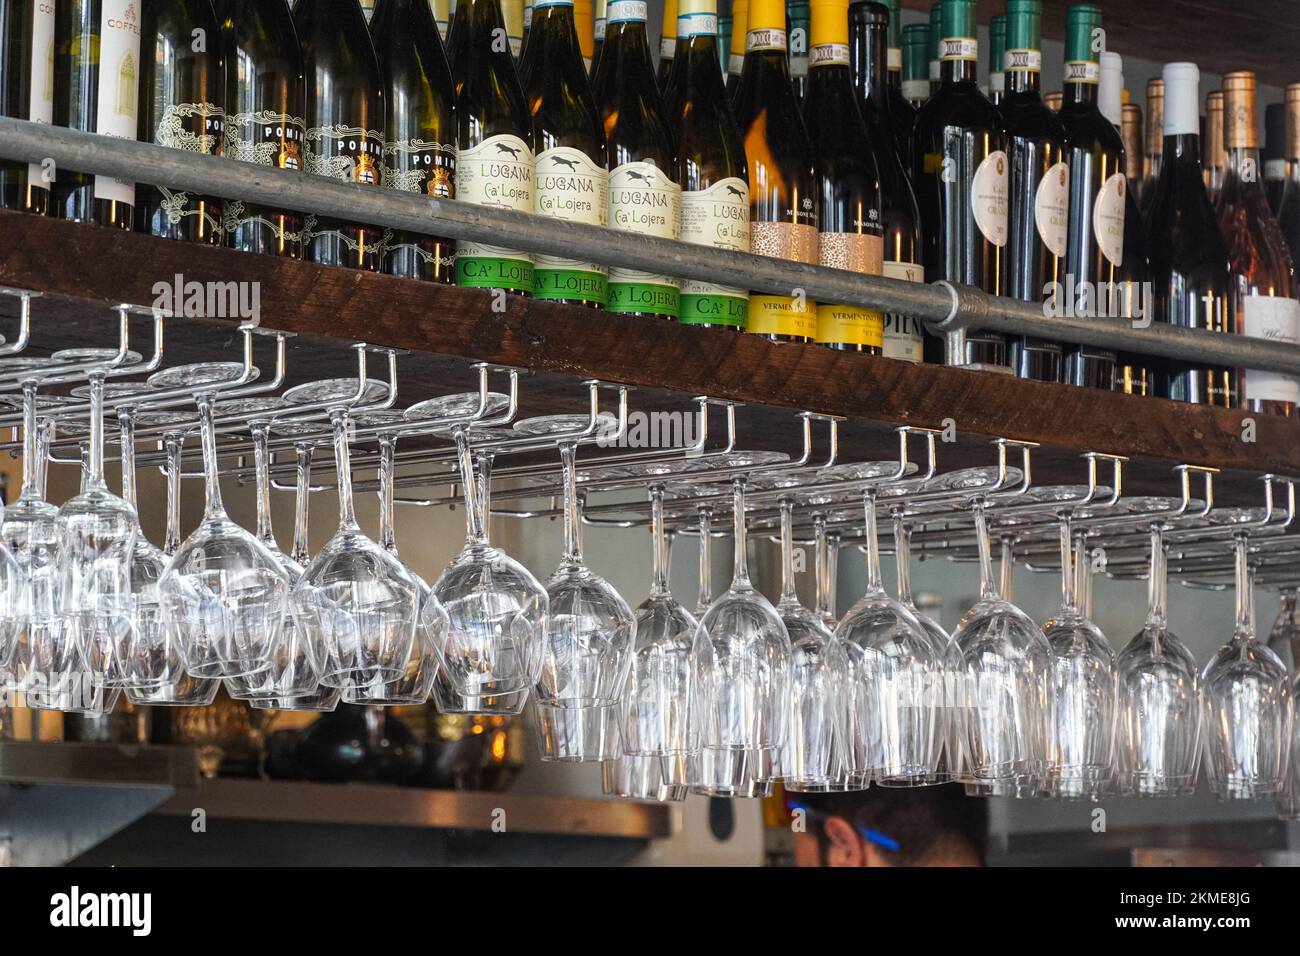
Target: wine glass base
577, 734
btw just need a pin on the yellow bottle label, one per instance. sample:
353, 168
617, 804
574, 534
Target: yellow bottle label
782, 315
850, 325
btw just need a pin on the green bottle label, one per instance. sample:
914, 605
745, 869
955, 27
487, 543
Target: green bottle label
729, 310
573, 188
493, 272
643, 297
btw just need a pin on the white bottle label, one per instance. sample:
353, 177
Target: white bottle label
765, 39
717, 216
573, 188
119, 79
1277, 320
829, 54
988, 197
736, 62
498, 172
644, 200
621, 10
1052, 208
904, 334
697, 24
894, 59
915, 90
40, 105
1108, 219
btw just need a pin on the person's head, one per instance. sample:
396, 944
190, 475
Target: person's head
892, 826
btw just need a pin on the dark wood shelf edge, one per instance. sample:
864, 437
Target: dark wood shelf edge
89, 263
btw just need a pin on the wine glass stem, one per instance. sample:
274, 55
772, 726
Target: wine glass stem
343, 465
1082, 576
30, 465
832, 570
95, 477
1156, 579
659, 540
261, 465
903, 558
172, 444
208, 433
126, 422
740, 574
473, 516
874, 581
1067, 564
988, 589
1242, 575
789, 594
822, 564
572, 517
387, 451
706, 557
301, 500
44, 432
484, 473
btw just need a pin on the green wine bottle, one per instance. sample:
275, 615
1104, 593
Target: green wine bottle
182, 106
494, 142
26, 92
345, 124
264, 118
711, 164
572, 176
96, 90
420, 152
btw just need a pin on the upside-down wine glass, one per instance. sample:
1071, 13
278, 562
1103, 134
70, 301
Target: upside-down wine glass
999, 682
741, 656
705, 596
896, 680
659, 719
1159, 698
224, 593
357, 596
1247, 694
589, 646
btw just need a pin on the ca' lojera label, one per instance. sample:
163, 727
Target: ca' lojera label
716, 216
645, 200
571, 187
497, 172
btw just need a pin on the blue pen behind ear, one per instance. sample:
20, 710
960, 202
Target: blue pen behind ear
868, 834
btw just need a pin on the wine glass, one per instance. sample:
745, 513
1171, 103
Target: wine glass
705, 596
999, 683
97, 532
742, 661
589, 645
818, 678
1081, 688
357, 596
30, 534
186, 690
639, 777
1247, 694
224, 593
1159, 698
413, 686
296, 662
896, 680
659, 719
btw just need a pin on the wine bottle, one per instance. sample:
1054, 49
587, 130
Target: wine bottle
26, 92
1154, 144
1189, 272
916, 64
494, 143
1216, 155
1126, 297
782, 172
724, 39
345, 124
850, 233
512, 12
572, 177
667, 44
797, 15
182, 106
598, 35
960, 171
901, 113
711, 165
1276, 163
739, 32
644, 196
420, 152
584, 25
869, 25
997, 55
96, 90
1262, 292
936, 42
1288, 214
1095, 156
1130, 132
528, 21
265, 107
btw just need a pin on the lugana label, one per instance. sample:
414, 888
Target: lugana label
765, 40
1052, 207
644, 200
716, 216
988, 197
572, 188
119, 71
498, 172
1277, 320
1108, 219
40, 101
904, 336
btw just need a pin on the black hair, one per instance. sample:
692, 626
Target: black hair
924, 822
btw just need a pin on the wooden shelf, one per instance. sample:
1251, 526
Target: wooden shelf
83, 269
1217, 35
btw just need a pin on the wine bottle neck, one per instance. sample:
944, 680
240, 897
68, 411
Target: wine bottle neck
1080, 93
867, 57
957, 71
1023, 81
